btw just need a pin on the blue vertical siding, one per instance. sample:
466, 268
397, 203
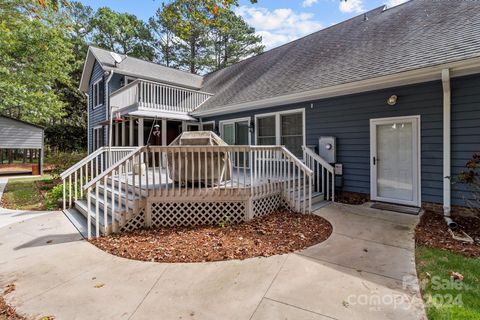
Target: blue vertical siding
96, 115
465, 128
348, 119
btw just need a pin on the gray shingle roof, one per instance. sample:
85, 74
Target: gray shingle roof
416, 34
147, 70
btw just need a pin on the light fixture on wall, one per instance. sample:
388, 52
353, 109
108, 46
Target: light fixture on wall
251, 127
392, 100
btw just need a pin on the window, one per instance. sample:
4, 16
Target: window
97, 138
208, 126
236, 132
98, 93
282, 128
291, 132
266, 131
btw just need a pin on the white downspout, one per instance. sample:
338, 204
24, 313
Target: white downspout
447, 104
88, 122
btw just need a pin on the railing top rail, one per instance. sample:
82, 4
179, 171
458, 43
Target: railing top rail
82, 162
137, 81
297, 161
112, 167
91, 156
319, 159
126, 87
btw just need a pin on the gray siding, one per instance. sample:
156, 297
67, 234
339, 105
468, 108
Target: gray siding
347, 118
19, 135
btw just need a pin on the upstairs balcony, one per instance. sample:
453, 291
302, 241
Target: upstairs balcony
142, 96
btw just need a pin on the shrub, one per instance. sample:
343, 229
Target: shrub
63, 160
471, 178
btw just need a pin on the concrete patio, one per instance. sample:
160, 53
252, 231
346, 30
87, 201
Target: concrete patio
370, 255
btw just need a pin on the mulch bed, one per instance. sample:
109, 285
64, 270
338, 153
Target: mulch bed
7, 312
432, 231
278, 233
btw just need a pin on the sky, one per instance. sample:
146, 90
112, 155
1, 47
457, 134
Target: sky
277, 21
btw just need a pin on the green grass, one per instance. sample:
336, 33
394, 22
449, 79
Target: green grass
23, 193
444, 298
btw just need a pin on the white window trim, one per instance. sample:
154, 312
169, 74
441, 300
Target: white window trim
278, 132
94, 140
93, 95
207, 122
126, 78
233, 121
373, 151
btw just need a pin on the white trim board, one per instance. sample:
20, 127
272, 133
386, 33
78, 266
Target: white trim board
416, 127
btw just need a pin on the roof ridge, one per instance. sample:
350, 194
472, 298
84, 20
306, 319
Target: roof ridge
146, 61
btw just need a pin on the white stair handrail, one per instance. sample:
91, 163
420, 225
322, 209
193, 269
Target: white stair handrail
324, 173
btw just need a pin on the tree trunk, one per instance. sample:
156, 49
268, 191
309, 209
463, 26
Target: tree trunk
24, 156
10, 156
193, 55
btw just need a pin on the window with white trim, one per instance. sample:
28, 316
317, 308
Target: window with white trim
282, 128
291, 132
266, 131
97, 138
98, 93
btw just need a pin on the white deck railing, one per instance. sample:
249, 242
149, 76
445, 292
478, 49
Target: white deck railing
200, 171
87, 169
323, 173
148, 95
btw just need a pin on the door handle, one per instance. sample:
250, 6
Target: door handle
374, 161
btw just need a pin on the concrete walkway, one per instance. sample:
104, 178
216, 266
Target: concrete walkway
365, 270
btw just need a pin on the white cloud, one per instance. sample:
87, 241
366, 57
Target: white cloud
393, 3
278, 26
308, 3
351, 6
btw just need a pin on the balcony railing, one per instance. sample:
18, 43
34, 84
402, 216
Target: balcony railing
154, 96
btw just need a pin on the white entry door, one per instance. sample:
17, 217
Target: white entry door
395, 160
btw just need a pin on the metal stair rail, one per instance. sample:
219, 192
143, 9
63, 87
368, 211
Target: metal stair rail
323, 173
225, 171
75, 177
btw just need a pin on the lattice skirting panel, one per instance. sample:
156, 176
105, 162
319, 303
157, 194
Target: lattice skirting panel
265, 205
135, 223
185, 213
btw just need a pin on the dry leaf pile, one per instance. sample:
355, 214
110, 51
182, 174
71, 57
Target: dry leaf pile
278, 233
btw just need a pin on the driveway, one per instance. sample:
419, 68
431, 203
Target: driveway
365, 270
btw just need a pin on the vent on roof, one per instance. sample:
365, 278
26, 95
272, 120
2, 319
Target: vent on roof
118, 58
365, 17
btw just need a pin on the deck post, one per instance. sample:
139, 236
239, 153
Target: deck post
130, 133
141, 141
164, 141
123, 134
117, 135
148, 214
249, 208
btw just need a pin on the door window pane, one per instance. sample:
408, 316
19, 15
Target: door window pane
266, 131
229, 133
395, 161
292, 132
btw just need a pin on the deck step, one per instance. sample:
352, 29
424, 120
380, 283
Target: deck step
320, 205
82, 207
78, 220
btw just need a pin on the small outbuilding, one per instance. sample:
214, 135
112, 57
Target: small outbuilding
16, 134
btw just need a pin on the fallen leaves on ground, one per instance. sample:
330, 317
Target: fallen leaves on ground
9, 288
277, 233
7, 312
432, 231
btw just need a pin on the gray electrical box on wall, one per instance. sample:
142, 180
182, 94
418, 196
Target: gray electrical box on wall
327, 148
